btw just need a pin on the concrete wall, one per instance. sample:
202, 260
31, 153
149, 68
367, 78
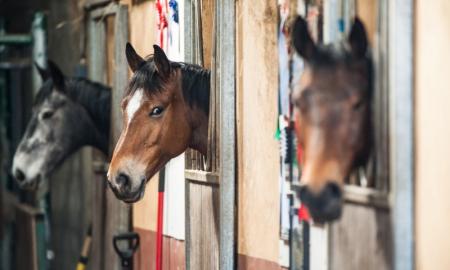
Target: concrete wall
258, 155
432, 134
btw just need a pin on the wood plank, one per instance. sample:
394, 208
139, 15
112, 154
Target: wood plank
366, 196
96, 63
26, 243
194, 234
202, 176
207, 9
117, 212
204, 231
361, 239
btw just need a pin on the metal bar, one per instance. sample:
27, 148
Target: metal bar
15, 39
227, 89
189, 58
401, 31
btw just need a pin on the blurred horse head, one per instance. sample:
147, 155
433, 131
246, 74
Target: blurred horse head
67, 114
333, 104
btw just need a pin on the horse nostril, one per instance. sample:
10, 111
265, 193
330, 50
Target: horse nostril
333, 190
19, 175
123, 181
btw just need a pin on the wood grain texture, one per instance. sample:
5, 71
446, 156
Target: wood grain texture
96, 64
117, 212
204, 227
26, 244
361, 239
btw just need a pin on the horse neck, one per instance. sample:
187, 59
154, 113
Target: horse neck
96, 100
196, 91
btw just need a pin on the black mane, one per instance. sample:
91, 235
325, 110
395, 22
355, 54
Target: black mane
195, 82
94, 97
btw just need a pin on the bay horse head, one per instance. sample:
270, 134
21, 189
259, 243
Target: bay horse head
67, 113
333, 116
165, 111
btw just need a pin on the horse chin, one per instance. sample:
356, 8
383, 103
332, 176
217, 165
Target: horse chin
326, 217
130, 197
135, 198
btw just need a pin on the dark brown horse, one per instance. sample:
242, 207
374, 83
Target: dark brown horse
165, 111
333, 101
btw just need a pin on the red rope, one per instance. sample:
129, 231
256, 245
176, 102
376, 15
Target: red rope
159, 231
303, 213
162, 23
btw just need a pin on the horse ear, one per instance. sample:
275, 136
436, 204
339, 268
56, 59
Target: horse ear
302, 40
56, 75
134, 60
161, 61
42, 72
358, 39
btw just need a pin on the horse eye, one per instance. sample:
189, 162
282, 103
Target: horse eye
358, 104
157, 111
47, 114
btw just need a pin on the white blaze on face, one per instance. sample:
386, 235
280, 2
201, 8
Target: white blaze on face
134, 104
129, 165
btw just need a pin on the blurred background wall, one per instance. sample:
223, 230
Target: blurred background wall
432, 132
69, 214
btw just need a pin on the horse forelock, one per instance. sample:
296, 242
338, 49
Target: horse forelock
195, 82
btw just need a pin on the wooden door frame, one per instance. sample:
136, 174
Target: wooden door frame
226, 82
110, 216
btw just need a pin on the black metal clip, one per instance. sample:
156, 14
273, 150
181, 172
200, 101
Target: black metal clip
126, 254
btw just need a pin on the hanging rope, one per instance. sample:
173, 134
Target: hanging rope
162, 23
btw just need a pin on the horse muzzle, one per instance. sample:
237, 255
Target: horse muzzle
325, 206
24, 182
123, 188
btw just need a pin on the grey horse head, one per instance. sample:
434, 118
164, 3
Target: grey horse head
67, 114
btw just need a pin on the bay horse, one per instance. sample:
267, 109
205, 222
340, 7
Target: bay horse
333, 116
165, 111
67, 114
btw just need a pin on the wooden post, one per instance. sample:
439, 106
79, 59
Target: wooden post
110, 216
117, 212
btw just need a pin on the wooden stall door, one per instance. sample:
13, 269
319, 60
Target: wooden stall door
362, 238
202, 185
203, 188
108, 34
